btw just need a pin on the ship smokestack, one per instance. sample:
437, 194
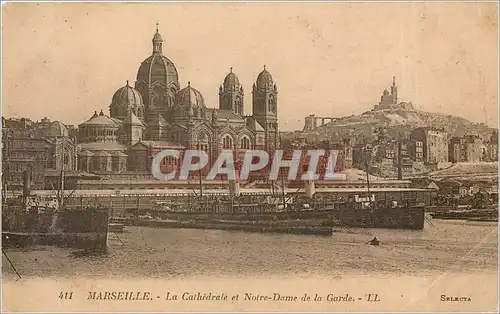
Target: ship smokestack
234, 185
309, 185
234, 188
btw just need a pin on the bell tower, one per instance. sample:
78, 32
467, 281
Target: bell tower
265, 107
231, 94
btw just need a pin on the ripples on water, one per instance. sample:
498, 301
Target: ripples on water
156, 253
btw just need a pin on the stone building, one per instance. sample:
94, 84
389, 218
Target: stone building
158, 113
492, 147
416, 150
39, 147
466, 148
434, 142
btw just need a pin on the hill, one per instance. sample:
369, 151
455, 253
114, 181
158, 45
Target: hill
400, 120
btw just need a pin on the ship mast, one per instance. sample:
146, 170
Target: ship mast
283, 191
282, 181
365, 148
5, 174
201, 185
61, 196
199, 173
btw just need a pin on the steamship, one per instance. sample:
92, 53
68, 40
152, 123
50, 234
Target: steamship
355, 209
28, 220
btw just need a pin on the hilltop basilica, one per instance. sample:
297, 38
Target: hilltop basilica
158, 114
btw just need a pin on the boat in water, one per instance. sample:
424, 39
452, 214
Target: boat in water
29, 220
352, 213
468, 214
309, 209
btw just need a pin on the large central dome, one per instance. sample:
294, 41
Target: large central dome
157, 67
157, 81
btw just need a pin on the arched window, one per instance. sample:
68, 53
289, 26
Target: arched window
271, 104
245, 143
227, 142
203, 142
238, 107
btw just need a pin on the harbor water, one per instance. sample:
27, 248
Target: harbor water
143, 252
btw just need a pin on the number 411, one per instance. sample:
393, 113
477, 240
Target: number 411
66, 295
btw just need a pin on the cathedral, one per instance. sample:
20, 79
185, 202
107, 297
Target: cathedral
157, 114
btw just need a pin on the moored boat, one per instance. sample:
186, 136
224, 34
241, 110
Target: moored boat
474, 214
30, 221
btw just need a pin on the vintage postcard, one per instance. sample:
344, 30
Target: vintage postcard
265, 157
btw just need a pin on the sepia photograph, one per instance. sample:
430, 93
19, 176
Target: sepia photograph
249, 156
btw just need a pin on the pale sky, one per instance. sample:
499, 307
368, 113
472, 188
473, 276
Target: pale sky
65, 60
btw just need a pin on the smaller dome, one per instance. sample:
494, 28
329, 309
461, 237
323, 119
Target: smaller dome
265, 79
127, 96
189, 97
126, 99
231, 80
57, 129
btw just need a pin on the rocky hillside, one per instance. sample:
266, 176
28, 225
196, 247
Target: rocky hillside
398, 121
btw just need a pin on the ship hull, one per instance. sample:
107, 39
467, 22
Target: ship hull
91, 241
390, 218
478, 215
298, 228
84, 229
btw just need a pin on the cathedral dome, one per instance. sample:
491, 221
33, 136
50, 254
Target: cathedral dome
264, 80
231, 80
159, 68
127, 96
189, 97
126, 99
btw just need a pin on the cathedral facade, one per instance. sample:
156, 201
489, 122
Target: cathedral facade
156, 114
